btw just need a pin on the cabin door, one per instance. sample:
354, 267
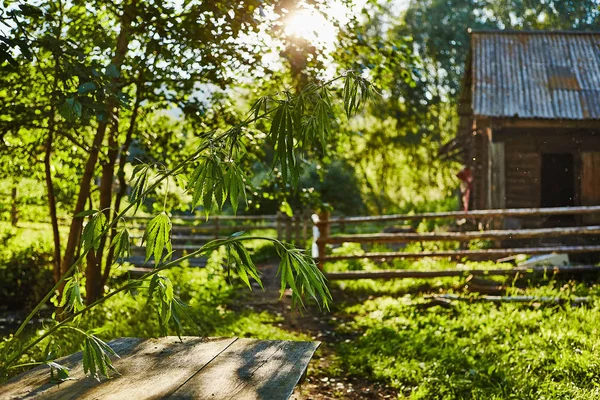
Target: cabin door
590, 183
558, 180
558, 186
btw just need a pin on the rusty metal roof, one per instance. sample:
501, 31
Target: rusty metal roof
553, 75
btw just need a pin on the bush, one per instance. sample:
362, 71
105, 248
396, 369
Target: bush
25, 272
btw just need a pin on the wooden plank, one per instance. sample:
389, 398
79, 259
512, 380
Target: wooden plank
203, 219
211, 228
515, 299
497, 180
491, 253
590, 182
464, 236
402, 274
35, 383
152, 369
474, 214
251, 369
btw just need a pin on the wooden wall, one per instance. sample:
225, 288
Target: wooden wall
522, 152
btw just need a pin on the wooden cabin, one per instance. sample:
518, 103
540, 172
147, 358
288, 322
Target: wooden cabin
529, 129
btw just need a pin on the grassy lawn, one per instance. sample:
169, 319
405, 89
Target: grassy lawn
467, 350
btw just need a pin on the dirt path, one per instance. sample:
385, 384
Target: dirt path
326, 379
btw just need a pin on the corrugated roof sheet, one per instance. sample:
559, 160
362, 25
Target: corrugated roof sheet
552, 75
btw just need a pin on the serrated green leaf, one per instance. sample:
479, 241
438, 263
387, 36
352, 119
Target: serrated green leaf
247, 265
158, 237
140, 177
92, 232
86, 213
62, 372
122, 244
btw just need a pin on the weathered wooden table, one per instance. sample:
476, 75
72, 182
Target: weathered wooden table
194, 368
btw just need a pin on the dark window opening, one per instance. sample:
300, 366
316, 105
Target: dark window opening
558, 185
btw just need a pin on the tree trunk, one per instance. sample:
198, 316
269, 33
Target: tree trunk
94, 273
94, 284
121, 177
84, 192
52, 201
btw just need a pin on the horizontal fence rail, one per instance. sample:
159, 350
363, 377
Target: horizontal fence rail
474, 214
323, 237
386, 274
463, 236
486, 254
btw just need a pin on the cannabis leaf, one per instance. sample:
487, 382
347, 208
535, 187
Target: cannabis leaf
298, 270
122, 244
90, 238
207, 183
96, 356
259, 106
139, 178
235, 184
242, 263
62, 372
282, 135
316, 126
158, 237
161, 291
356, 92
71, 296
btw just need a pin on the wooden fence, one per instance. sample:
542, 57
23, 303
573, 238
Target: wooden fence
201, 229
324, 236
189, 233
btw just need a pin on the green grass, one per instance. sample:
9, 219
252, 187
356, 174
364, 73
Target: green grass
471, 350
475, 350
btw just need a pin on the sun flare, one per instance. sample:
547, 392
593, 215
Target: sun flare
310, 25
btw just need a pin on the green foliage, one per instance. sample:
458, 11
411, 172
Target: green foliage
92, 77
235, 184
474, 350
161, 292
139, 177
72, 300
96, 357
122, 244
298, 270
158, 238
239, 259
207, 182
25, 268
93, 230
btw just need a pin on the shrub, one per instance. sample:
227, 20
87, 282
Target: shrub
25, 272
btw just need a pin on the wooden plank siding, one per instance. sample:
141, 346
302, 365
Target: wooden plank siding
590, 182
523, 153
522, 177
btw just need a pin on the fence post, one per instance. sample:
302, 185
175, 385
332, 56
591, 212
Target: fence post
297, 229
320, 235
278, 225
305, 219
288, 228
14, 213
216, 226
